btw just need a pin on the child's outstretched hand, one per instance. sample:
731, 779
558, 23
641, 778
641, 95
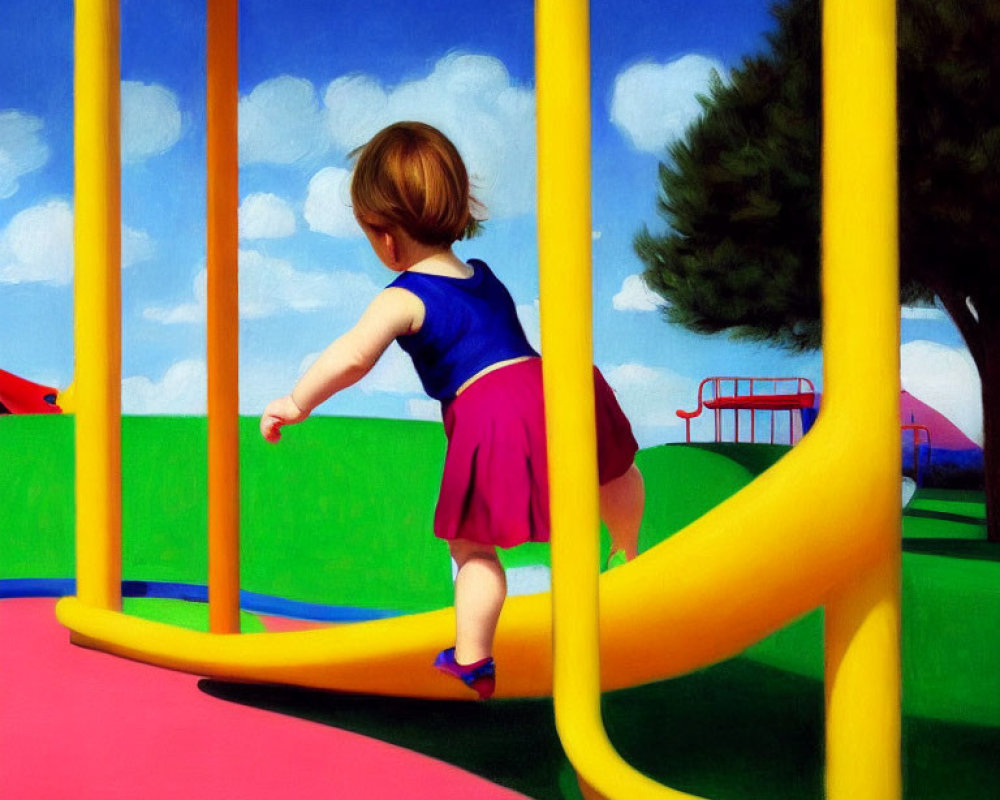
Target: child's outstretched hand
282, 411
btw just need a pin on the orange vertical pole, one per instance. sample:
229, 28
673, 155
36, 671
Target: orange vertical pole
222, 98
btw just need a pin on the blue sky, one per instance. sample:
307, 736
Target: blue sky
316, 79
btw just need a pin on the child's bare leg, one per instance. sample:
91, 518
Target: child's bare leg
480, 591
622, 502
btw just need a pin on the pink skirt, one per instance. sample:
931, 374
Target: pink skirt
495, 487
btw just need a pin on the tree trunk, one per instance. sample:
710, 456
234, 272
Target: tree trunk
981, 331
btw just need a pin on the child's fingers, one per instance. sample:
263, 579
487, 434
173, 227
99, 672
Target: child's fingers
270, 428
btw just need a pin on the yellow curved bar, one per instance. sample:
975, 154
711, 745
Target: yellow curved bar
709, 592
861, 377
221, 99
66, 399
97, 302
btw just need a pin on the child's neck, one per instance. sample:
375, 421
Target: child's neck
439, 261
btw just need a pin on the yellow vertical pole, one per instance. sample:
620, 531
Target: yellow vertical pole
564, 243
861, 377
562, 70
97, 301
223, 317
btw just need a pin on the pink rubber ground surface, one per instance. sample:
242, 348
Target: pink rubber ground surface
81, 725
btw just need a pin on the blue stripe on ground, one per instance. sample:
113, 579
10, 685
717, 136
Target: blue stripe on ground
36, 587
162, 590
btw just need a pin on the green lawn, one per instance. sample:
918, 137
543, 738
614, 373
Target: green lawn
327, 517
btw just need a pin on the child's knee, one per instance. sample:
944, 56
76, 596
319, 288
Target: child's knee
629, 480
463, 550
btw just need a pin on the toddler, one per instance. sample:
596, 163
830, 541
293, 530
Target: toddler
457, 321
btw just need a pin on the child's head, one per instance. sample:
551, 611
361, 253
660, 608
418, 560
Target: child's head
410, 175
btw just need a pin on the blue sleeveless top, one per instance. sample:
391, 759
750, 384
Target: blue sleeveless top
469, 324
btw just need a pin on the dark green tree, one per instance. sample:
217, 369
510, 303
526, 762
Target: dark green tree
740, 192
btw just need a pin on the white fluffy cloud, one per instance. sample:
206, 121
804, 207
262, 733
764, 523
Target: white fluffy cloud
649, 395
357, 106
280, 122
265, 216
652, 103
393, 374
635, 295
270, 286
328, 204
946, 379
473, 100
181, 390
21, 149
37, 245
136, 246
151, 120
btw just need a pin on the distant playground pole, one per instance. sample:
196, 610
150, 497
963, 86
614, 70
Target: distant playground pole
97, 302
223, 317
562, 70
861, 382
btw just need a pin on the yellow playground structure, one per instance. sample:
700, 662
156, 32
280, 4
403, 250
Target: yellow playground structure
755, 563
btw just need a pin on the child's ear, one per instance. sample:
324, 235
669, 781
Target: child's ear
391, 246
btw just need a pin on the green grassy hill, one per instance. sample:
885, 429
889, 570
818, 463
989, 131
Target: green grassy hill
340, 512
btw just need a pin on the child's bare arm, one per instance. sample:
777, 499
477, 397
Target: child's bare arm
393, 312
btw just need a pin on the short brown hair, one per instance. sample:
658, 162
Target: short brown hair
411, 175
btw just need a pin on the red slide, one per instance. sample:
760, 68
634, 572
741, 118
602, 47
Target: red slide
20, 396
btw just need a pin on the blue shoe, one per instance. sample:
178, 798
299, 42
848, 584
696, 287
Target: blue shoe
479, 676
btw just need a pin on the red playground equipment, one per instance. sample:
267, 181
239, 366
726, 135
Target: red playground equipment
918, 431
737, 394
21, 396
